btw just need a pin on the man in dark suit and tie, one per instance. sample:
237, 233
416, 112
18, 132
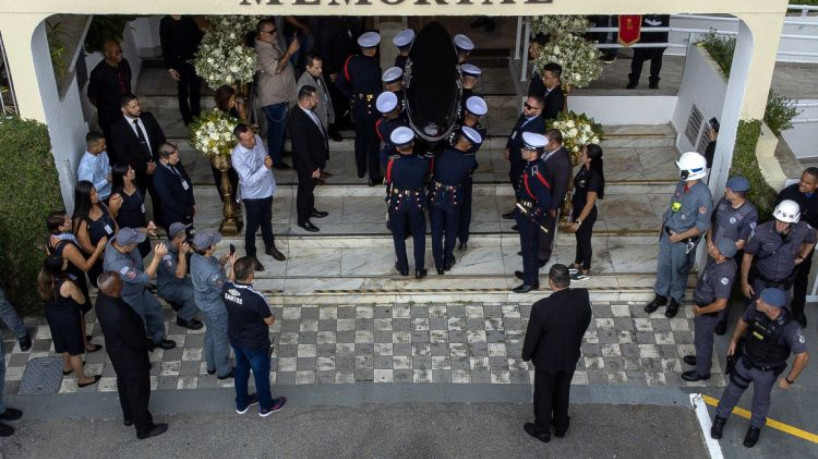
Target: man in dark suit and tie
529, 121
135, 139
310, 150
552, 342
174, 190
554, 97
127, 346
558, 173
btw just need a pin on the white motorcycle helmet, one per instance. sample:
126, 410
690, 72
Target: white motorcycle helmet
692, 166
787, 211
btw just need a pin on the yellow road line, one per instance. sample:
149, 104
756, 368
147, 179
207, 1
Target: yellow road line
778, 425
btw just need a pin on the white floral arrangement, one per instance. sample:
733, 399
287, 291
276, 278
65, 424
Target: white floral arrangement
558, 24
578, 57
577, 131
212, 133
223, 58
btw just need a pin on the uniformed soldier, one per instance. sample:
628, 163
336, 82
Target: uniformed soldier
172, 278
711, 295
451, 170
393, 82
405, 176
775, 249
734, 218
469, 75
770, 334
528, 121
361, 82
208, 275
464, 47
687, 219
403, 41
121, 258
392, 118
475, 109
534, 195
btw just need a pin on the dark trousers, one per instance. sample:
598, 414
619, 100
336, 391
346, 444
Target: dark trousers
445, 220
551, 396
188, 89
583, 235
259, 213
134, 396
305, 197
515, 172
465, 211
416, 220
529, 243
799, 288
546, 245
367, 145
640, 55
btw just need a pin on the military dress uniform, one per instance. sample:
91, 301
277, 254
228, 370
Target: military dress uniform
177, 292
384, 128
534, 194
477, 106
715, 283
774, 254
534, 124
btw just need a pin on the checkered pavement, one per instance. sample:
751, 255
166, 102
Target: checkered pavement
408, 343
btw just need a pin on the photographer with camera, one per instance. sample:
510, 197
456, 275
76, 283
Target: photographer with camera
173, 280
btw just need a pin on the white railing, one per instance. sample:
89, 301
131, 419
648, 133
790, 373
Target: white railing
8, 101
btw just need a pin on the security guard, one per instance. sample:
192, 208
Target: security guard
476, 108
361, 82
469, 75
711, 295
451, 170
770, 334
392, 79
775, 249
405, 176
464, 47
387, 104
403, 41
121, 258
687, 218
734, 218
172, 278
534, 195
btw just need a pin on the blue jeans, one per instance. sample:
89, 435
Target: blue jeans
276, 126
216, 345
259, 360
11, 319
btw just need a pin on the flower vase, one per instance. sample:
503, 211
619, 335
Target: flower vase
231, 225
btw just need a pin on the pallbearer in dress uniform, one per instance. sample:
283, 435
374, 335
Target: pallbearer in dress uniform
533, 195
392, 118
469, 74
405, 177
464, 47
475, 108
451, 170
403, 41
361, 82
393, 82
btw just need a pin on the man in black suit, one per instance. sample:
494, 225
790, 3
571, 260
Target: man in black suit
558, 173
109, 81
554, 97
128, 347
529, 121
179, 37
174, 190
552, 342
135, 138
310, 150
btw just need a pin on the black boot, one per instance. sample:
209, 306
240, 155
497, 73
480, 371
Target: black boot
717, 428
632, 82
751, 438
659, 300
672, 309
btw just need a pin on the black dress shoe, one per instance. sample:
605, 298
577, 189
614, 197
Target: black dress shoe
721, 328
402, 271
166, 344
127, 422
157, 430
230, 374
532, 430
376, 181
421, 273
6, 430
11, 414
690, 359
307, 225
560, 433
716, 429
508, 215
524, 288
659, 300
520, 253
96, 380
273, 252
282, 166
25, 343
325, 174
653, 85
542, 263
515, 228
440, 271
692, 376
361, 174
751, 438
450, 264
257, 265
318, 214
519, 275
190, 325
672, 309
631, 85
463, 246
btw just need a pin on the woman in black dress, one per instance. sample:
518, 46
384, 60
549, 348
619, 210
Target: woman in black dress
91, 222
589, 185
129, 209
63, 243
64, 300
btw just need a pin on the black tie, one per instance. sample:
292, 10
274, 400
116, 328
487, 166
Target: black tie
175, 172
141, 136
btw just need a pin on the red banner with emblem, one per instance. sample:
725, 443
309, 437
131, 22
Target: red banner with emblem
630, 28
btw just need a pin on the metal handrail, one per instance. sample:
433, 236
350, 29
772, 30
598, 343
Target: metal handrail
5, 70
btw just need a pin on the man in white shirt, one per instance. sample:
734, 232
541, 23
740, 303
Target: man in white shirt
95, 167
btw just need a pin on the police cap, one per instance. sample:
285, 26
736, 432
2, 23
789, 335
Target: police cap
175, 229
204, 239
727, 247
404, 38
476, 105
386, 102
738, 183
369, 40
471, 70
471, 135
463, 42
128, 236
534, 141
392, 74
774, 297
402, 136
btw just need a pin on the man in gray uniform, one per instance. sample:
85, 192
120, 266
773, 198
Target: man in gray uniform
775, 249
734, 218
121, 258
173, 280
687, 218
771, 334
712, 294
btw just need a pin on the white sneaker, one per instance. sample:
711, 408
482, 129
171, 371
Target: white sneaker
572, 271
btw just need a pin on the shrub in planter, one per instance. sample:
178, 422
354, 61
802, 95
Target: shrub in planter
721, 48
746, 164
779, 112
30, 189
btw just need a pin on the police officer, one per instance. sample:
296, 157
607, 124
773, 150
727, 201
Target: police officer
361, 82
687, 218
770, 334
734, 218
209, 276
403, 41
534, 195
393, 82
469, 75
387, 104
172, 278
804, 193
464, 47
405, 176
451, 169
476, 108
528, 121
711, 295
775, 249
121, 258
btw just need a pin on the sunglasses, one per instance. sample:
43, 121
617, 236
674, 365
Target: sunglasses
530, 107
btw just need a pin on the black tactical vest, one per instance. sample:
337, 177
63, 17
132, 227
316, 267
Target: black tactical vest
762, 346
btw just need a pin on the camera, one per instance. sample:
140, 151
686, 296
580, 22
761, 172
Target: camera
714, 124
190, 232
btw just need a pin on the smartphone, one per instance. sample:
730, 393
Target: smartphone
232, 249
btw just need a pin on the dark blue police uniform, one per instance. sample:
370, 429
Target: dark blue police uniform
406, 198
533, 193
361, 82
452, 169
